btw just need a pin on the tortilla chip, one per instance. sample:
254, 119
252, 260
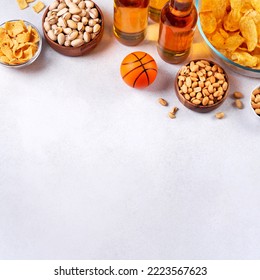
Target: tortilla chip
38, 7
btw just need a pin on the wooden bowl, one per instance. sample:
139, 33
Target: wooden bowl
188, 102
75, 51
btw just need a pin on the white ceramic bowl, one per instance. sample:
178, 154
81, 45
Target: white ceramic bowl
250, 102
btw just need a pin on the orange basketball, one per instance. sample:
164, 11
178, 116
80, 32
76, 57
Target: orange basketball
138, 69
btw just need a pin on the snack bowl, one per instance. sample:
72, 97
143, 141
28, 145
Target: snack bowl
34, 32
201, 85
255, 102
220, 57
70, 50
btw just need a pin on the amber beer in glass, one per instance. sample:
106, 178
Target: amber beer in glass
155, 8
177, 25
130, 21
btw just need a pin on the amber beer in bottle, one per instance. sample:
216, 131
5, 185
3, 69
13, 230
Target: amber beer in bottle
130, 21
177, 26
155, 8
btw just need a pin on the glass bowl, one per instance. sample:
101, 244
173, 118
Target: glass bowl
36, 55
240, 69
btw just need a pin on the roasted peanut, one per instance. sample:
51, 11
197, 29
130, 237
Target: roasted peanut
255, 101
163, 102
238, 95
171, 115
239, 104
220, 115
257, 111
200, 79
175, 110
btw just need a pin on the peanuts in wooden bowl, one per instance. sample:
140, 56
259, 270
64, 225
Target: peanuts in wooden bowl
202, 85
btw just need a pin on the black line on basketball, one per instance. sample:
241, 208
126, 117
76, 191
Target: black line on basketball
145, 70
147, 76
138, 59
142, 64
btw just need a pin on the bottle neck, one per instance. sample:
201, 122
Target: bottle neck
181, 8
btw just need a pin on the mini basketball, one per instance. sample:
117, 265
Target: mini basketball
138, 69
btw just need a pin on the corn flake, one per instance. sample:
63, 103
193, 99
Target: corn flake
233, 42
256, 5
231, 21
249, 32
208, 22
233, 27
15, 27
22, 4
217, 40
218, 7
18, 43
245, 58
38, 7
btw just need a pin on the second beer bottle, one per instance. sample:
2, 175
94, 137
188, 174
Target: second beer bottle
177, 26
130, 21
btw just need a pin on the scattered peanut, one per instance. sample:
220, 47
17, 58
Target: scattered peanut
255, 101
163, 102
172, 113
202, 83
239, 104
220, 115
78, 20
238, 95
174, 110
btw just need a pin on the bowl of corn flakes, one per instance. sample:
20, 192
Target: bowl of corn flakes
231, 30
20, 43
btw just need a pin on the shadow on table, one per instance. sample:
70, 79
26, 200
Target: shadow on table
164, 82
